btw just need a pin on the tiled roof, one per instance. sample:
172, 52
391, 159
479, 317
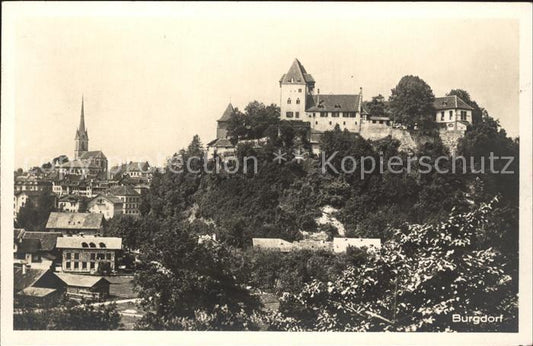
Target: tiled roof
21, 281
90, 154
110, 243
345, 103
297, 74
124, 190
29, 246
450, 102
74, 221
110, 198
80, 280
37, 291
227, 113
47, 239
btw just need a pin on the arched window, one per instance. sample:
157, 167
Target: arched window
298, 101
289, 101
102, 245
92, 245
84, 244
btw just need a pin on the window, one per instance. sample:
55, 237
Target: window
451, 115
108, 256
297, 114
356, 123
68, 255
323, 114
442, 116
35, 258
299, 90
92, 244
92, 265
76, 255
345, 114
100, 256
76, 265
84, 244
83, 265
335, 114
352, 114
463, 115
344, 122
289, 101
314, 115
93, 256
68, 265
381, 121
102, 245
316, 122
330, 122
297, 101
289, 114
373, 121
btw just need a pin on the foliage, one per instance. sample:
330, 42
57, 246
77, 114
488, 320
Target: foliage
411, 103
416, 282
181, 279
377, 107
34, 214
257, 121
87, 317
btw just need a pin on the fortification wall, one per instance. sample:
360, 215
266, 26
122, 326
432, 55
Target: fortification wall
450, 139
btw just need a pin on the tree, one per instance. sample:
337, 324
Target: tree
377, 106
34, 214
187, 285
257, 121
411, 103
415, 282
86, 317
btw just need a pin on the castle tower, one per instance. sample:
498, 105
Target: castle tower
296, 85
82, 138
222, 123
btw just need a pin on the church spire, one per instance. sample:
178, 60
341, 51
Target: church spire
82, 138
81, 128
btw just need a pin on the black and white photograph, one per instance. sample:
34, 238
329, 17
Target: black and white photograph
266, 173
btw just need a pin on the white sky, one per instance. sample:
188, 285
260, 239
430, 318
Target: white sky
151, 83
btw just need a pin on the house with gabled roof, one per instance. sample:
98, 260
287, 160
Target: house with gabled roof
88, 254
36, 249
75, 223
452, 113
85, 287
106, 204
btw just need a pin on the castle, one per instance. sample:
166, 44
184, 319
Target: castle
322, 112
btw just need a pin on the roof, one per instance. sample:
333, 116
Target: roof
70, 198
21, 281
74, 221
37, 291
221, 143
328, 103
227, 113
270, 242
29, 246
297, 74
124, 190
90, 154
74, 164
450, 102
47, 239
110, 198
80, 280
110, 243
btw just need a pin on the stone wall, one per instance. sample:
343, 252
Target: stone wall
450, 139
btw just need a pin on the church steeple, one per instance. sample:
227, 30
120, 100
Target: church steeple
82, 138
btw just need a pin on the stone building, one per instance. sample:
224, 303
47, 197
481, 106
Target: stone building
87, 254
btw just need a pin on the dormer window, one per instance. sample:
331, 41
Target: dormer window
102, 245
84, 244
289, 101
297, 101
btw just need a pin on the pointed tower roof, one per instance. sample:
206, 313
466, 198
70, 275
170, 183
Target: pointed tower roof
82, 131
297, 74
227, 113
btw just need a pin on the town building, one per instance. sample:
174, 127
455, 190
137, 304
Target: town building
32, 183
107, 205
36, 287
72, 203
452, 113
130, 198
37, 250
222, 146
139, 170
84, 287
87, 254
337, 245
75, 223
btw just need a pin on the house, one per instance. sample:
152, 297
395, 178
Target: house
71, 203
452, 113
30, 183
141, 170
342, 244
39, 287
85, 287
75, 223
130, 198
36, 249
21, 198
107, 205
87, 254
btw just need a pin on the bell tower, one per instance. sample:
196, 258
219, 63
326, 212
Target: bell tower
296, 85
82, 138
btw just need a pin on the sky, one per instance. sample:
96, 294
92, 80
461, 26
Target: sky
150, 83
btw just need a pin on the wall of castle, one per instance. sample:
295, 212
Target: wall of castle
450, 139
